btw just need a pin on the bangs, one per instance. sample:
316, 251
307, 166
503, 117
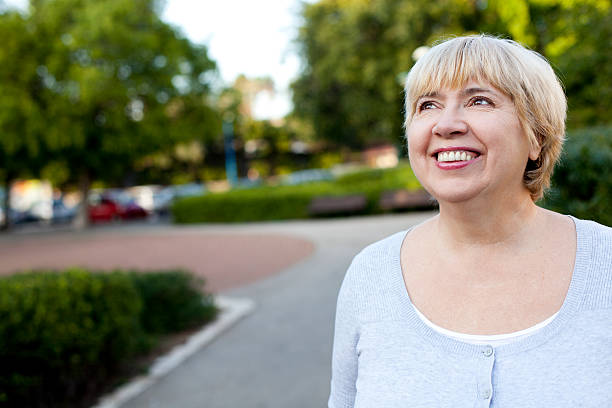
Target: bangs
456, 62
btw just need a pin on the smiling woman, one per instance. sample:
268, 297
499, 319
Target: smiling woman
507, 71
495, 301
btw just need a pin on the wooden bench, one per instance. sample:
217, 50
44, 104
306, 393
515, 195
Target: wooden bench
335, 205
405, 199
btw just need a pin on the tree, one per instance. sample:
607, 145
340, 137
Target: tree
575, 36
21, 123
356, 54
272, 143
115, 84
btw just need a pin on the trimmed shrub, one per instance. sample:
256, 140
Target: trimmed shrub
267, 203
172, 301
291, 202
59, 332
65, 335
582, 183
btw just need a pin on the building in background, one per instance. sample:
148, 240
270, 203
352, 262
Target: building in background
381, 156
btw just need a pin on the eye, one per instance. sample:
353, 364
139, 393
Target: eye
481, 101
426, 105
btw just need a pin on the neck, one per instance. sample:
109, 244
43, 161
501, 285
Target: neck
479, 223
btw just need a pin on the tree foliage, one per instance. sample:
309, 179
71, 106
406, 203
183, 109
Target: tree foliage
100, 84
127, 83
21, 111
356, 54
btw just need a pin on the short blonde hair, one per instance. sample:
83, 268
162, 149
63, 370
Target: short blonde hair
522, 74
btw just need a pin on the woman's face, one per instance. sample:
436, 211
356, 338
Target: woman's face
468, 142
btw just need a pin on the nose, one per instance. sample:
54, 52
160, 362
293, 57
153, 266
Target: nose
450, 123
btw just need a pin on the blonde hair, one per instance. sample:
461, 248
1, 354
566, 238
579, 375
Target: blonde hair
522, 74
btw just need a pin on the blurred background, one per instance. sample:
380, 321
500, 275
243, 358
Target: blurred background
133, 104
148, 112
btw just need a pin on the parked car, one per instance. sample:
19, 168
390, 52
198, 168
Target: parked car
114, 205
21, 217
153, 198
25, 217
61, 213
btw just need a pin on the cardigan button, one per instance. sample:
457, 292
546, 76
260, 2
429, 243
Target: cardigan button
488, 351
486, 394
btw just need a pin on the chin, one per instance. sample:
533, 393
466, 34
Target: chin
453, 198
454, 193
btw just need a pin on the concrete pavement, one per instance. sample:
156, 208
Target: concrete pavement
280, 355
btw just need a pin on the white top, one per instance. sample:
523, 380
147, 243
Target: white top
493, 340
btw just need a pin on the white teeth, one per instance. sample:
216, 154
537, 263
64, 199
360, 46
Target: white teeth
458, 155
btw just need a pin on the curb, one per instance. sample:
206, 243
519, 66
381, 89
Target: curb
232, 310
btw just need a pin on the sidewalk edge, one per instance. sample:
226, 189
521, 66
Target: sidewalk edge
232, 310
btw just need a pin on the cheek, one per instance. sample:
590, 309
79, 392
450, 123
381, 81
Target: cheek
417, 141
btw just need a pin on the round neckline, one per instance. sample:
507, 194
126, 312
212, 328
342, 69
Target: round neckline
568, 308
485, 337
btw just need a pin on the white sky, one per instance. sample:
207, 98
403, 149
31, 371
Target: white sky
243, 36
248, 37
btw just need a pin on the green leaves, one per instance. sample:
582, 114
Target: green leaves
63, 334
90, 83
355, 51
582, 183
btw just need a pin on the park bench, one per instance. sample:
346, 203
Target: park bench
405, 199
336, 205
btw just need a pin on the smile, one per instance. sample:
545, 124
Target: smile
455, 156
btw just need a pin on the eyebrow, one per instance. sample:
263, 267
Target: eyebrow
472, 91
429, 95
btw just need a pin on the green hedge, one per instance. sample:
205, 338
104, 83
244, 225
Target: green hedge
582, 183
64, 335
173, 301
290, 202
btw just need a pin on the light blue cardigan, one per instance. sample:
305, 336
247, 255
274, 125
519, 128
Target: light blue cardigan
386, 356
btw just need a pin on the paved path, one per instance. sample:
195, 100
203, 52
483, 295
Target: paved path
279, 356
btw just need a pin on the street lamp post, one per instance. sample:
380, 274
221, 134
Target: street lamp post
230, 154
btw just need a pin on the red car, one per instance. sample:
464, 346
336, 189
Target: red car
106, 208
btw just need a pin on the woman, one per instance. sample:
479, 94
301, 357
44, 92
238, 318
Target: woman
495, 301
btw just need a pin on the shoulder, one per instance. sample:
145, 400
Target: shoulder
373, 284
597, 239
594, 256
377, 258
593, 227
383, 248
